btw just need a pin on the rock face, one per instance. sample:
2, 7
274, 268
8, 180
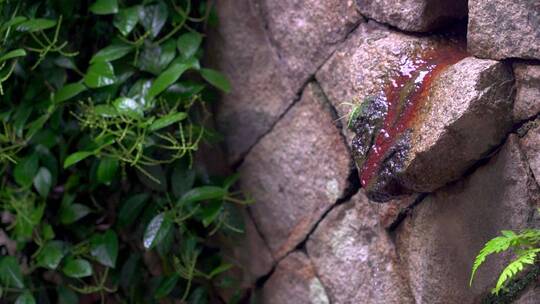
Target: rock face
414, 15
306, 32
500, 29
439, 242
355, 258
531, 147
294, 281
292, 173
527, 102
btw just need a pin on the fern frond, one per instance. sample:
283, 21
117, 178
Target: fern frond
527, 257
495, 245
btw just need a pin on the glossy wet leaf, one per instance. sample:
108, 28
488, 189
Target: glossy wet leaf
166, 286
104, 248
167, 120
10, 272
77, 268
68, 91
34, 25
107, 170
189, 43
128, 106
126, 19
51, 255
100, 74
104, 7
77, 157
171, 75
25, 298
43, 181
153, 18
155, 58
217, 79
26, 169
13, 54
157, 230
203, 193
112, 53
131, 208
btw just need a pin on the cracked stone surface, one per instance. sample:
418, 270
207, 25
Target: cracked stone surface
414, 15
292, 173
306, 32
294, 281
439, 241
261, 88
500, 29
530, 144
355, 258
527, 101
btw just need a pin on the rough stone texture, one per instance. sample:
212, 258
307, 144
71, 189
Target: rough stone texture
414, 15
468, 114
500, 29
439, 241
294, 281
531, 147
531, 294
296, 172
306, 32
261, 89
355, 258
527, 102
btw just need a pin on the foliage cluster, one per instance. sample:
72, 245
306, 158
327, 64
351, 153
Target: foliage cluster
103, 105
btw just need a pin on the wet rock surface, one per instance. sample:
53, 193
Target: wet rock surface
431, 134
355, 258
414, 15
438, 242
500, 29
527, 102
294, 281
306, 32
292, 173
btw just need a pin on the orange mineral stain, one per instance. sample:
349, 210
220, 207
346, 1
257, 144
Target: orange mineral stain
405, 94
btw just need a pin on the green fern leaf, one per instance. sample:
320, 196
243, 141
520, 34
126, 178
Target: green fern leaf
494, 245
526, 258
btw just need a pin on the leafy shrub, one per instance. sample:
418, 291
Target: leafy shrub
104, 104
525, 245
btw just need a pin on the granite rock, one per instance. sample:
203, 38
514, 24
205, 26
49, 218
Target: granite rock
527, 101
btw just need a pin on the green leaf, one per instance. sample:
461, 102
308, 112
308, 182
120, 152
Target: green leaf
70, 213
153, 18
10, 272
166, 286
104, 7
100, 74
188, 44
131, 209
43, 181
13, 54
26, 169
216, 79
155, 58
68, 91
182, 179
157, 230
66, 295
203, 193
220, 269
210, 212
34, 25
126, 19
25, 298
128, 106
107, 169
77, 268
51, 255
171, 75
76, 157
111, 53
104, 248
167, 120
